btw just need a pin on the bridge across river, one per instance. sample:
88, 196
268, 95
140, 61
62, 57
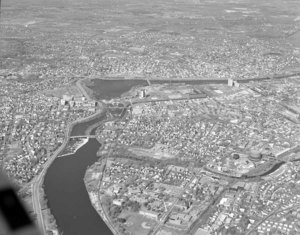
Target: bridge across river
82, 136
64, 186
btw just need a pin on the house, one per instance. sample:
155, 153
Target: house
117, 202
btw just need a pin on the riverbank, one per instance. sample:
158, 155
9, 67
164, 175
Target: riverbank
81, 126
92, 182
66, 177
50, 222
67, 195
83, 89
77, 146
39, 180
113, 77
107, 89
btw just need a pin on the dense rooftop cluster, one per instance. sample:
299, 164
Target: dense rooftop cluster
235, 144
203, 201
234, 43
215, 152
33, 127
201, 128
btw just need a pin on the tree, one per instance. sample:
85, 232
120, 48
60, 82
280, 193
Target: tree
232, 231
121, 220
115, 211
145, 204
136, 207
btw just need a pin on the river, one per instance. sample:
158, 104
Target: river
67, 195
80, 129
64, 186
109, 89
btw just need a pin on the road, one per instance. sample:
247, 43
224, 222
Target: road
107, 219
39, 179
270, 215
83, 136
165, 216
82, 90
37, 183
205, 214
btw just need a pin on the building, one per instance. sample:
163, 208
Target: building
142, 93
118, 202
71, 103
62, 102
78, 101
147, 213
67, 98
236, 84
255, 155
175, 221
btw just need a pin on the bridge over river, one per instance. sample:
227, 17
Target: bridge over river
63, 183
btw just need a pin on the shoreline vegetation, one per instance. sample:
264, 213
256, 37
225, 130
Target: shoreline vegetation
77, 145
92, 185
90, 178
50, 221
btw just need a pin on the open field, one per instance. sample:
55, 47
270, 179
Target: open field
139, 225
154, 152
68, 90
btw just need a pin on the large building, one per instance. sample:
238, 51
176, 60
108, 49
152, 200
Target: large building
142, 93
236, 84
255, 155
151, 214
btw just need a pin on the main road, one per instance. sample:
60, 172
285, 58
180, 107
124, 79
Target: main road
168, 212
38, 180
82, 90
278, 210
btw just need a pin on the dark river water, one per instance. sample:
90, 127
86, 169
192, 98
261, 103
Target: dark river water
108, 89
67, 196
64, 186
81, 128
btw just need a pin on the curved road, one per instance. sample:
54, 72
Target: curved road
37, 182
39, 179
255, 226
82, 90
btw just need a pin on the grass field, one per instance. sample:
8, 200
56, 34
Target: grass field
139, 225
154, 152
67, 90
